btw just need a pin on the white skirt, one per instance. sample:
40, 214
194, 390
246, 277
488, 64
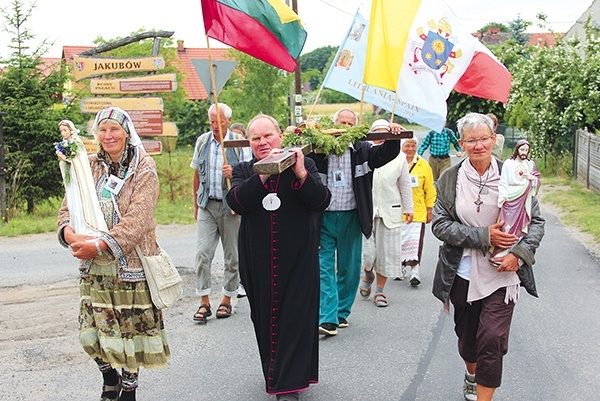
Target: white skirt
383, 251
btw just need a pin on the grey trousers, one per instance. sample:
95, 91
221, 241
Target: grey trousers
214, 223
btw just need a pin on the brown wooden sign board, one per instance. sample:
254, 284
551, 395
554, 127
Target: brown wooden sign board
140, 84
147, 122
84, 67
152, 147
95, 104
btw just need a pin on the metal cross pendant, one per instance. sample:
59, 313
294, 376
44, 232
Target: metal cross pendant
478, 202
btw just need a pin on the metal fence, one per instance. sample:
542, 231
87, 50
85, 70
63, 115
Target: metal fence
587, 160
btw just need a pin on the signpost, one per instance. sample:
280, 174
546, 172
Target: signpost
95, 104
141, 84
85, 67
223, 70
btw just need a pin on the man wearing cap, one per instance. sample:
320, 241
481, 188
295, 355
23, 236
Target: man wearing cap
214, 217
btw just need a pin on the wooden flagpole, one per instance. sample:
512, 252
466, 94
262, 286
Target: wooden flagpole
217, 110
393, 107
362, 102
315, 103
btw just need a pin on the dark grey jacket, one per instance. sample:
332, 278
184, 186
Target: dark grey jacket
448, 228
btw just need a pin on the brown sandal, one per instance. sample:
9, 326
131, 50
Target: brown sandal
224, 311
202, 313
380, 300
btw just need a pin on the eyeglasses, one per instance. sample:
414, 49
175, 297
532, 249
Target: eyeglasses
484, 141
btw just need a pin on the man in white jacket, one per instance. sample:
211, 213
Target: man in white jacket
392, 197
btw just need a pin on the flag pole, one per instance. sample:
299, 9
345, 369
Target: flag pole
214, 93
315, 103
362, 102
393, 107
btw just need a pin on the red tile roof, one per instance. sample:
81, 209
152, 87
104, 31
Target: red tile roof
191, 82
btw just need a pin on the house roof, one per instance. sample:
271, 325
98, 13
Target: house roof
191, 82
494, 36
544, 39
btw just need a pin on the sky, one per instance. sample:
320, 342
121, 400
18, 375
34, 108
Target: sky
78, 23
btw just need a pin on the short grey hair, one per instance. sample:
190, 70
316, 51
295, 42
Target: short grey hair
226, 110
472, 120
337, 114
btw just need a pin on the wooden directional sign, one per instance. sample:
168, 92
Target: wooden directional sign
91, 146
147, 122
95, 104
152, 147
84, 67
141, 84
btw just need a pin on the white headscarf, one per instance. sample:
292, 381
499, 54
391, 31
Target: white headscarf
120, 116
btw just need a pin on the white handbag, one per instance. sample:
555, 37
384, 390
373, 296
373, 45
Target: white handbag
163, 279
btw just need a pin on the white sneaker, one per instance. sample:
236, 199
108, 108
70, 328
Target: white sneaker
241, 291
415, 280
470, 388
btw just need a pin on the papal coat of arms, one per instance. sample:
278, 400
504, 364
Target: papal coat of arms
436, 51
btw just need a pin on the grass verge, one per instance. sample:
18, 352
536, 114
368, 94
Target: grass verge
579, 206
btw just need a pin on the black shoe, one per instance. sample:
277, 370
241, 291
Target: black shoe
328, 329
343, 323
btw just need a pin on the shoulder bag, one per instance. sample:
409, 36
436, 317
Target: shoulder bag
163, 279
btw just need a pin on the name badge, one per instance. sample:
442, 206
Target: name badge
414, 181
114, 184
338, 179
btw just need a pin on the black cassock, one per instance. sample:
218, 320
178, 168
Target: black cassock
279, 266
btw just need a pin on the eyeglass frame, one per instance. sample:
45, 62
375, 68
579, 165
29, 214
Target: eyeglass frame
473, 142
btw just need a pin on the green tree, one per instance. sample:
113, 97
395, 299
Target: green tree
256, 87
517, 28
551, 92
31, 95
317, 60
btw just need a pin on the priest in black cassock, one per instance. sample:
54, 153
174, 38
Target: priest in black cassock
279, 260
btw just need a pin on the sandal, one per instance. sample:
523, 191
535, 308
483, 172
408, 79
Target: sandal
380, 300
224, 311
116, 390
202, 313
365, 286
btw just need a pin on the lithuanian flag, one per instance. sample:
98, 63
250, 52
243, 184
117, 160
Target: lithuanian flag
266, 29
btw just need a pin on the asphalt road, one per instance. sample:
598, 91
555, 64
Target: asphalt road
405, 352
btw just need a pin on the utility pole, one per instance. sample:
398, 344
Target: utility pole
297, 81
3, 213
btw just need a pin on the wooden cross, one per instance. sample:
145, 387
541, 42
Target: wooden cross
275, 164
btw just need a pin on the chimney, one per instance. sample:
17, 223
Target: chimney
180, 47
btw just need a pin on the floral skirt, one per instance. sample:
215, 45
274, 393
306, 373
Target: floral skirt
118, 322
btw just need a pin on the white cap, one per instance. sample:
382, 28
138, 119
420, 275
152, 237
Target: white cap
379, 124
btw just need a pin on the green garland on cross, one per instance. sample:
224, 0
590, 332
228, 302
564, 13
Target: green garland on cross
329, 144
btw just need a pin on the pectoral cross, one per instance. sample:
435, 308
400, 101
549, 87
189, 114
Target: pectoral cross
478, 202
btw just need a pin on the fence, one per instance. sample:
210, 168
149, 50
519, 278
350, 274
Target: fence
587, 160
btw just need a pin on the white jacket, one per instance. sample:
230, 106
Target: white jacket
392, 192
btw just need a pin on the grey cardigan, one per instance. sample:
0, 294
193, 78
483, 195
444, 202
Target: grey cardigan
448, 228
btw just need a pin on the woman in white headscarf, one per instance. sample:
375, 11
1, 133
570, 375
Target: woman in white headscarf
118, 324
